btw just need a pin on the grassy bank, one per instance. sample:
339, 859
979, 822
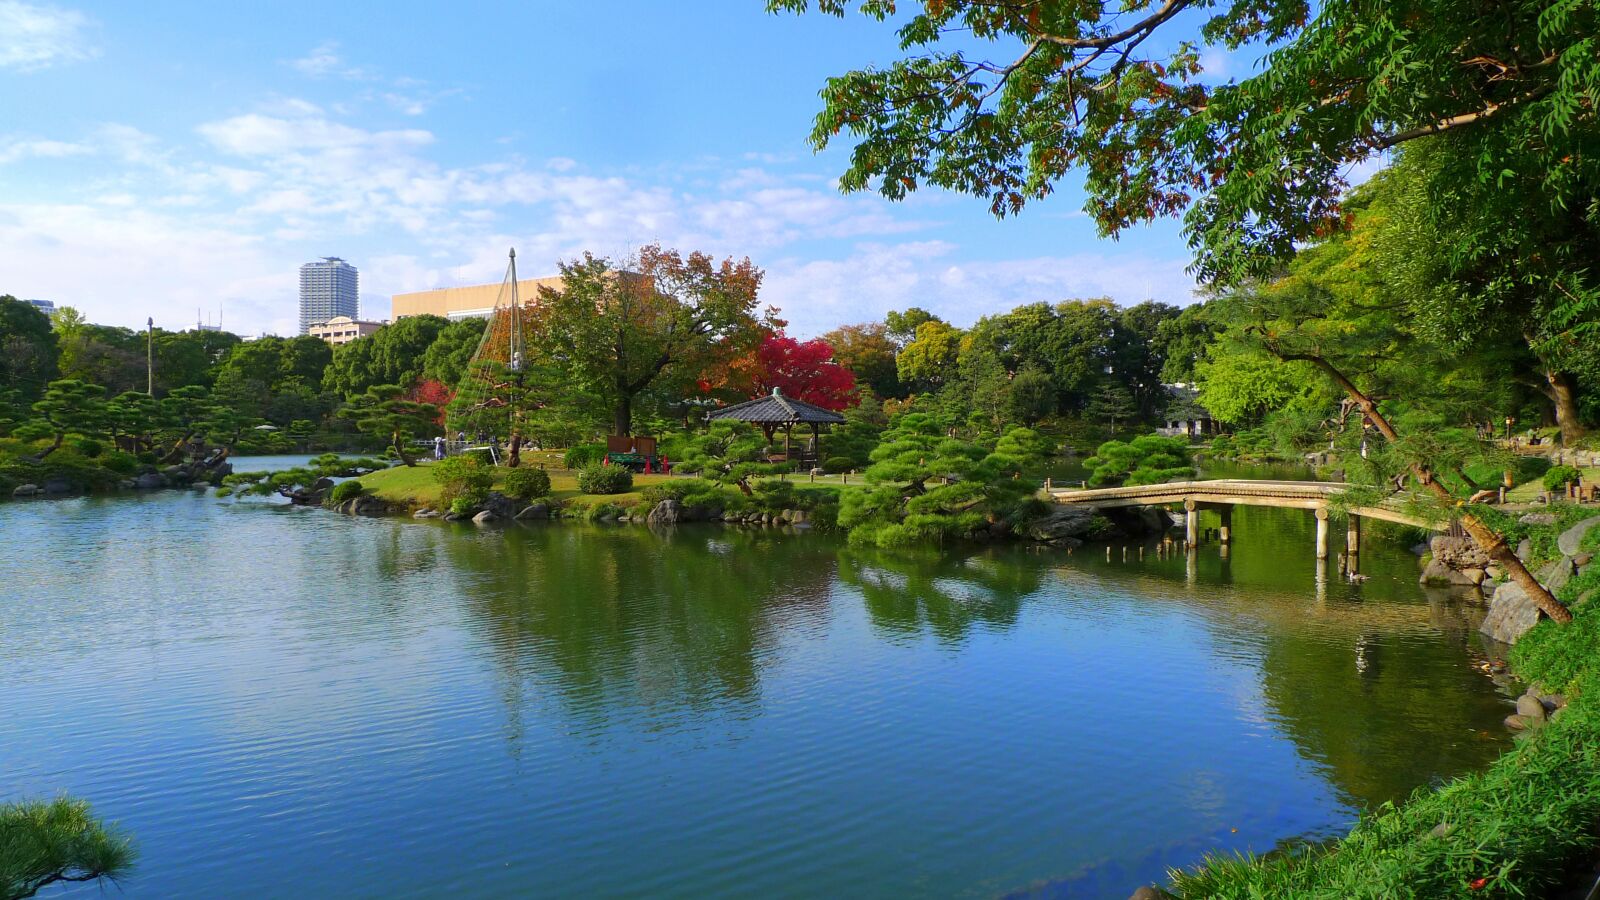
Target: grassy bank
1520, 829
414, 487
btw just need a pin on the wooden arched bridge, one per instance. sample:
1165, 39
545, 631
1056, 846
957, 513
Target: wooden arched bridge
1226, 493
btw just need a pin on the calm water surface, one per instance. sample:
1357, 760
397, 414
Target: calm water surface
283, 702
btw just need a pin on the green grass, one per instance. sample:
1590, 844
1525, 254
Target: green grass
414, 487
1529, 490
1519, 829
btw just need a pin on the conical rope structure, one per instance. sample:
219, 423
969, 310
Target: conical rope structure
493, 395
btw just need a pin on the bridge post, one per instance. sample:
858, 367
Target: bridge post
1225, 532
1322, 532
1191, 522
1352, 538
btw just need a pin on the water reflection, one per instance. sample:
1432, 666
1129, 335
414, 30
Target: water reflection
560, 709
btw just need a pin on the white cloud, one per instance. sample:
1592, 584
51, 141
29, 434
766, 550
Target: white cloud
238, 208
259, 135
816, 295
12, 150
35, 37
324, 60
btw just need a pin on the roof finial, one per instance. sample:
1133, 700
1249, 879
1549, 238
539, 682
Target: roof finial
776, 392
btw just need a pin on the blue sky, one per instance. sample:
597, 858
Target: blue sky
162, 157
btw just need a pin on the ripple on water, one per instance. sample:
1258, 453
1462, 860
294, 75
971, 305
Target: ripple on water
270, 698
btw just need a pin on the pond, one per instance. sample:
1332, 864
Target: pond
287, 702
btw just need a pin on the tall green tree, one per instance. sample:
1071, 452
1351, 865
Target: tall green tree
930, 359
667, 323
394, 354
29, 352
868, 350
447, 357
1259, 163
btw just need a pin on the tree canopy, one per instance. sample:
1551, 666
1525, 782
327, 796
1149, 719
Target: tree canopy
1258, 164
656, 323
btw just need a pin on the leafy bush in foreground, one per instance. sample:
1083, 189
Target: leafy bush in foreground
1556, 478
603, 478
525, 484
463, 478
345, 490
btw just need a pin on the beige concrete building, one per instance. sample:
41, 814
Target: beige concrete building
469, 302
342, 329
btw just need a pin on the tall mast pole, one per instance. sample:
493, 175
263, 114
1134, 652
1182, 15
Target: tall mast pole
516, 319
150, 356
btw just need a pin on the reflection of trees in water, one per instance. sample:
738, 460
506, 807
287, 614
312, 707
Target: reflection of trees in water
945, 593
622, 620
1374, 687
1379, 708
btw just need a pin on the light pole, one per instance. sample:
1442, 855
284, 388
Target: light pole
150, 356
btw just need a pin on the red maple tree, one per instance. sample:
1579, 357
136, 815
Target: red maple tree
429, 390
804, 370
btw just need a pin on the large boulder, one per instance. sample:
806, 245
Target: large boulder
1063, 524
1458, 552
57, 485
1556, 575
1538, 519
368, 505
1569, 540
667, 512
1511, 614
502, 506
1440, 572
26, 490
534, 512
486, 517
150, 481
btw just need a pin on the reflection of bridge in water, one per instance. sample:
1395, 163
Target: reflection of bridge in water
1226, 493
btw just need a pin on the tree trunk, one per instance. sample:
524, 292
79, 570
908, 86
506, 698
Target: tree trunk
514, 453
623, 423
1488, 540
60, 436
400, 450
1564, 396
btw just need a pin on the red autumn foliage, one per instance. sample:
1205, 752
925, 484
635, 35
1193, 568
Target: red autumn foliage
804, 370
429, 390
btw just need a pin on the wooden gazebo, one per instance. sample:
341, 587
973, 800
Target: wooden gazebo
776, 411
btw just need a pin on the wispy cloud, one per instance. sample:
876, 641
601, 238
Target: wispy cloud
35, 37
324, 61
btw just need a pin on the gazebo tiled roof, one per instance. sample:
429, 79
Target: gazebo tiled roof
776, 409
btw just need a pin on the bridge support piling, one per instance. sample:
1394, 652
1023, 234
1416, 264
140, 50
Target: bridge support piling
1225, 532
1322, 532
1352, 538
1191, 522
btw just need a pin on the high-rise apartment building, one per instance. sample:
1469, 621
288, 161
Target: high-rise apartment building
327, 289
